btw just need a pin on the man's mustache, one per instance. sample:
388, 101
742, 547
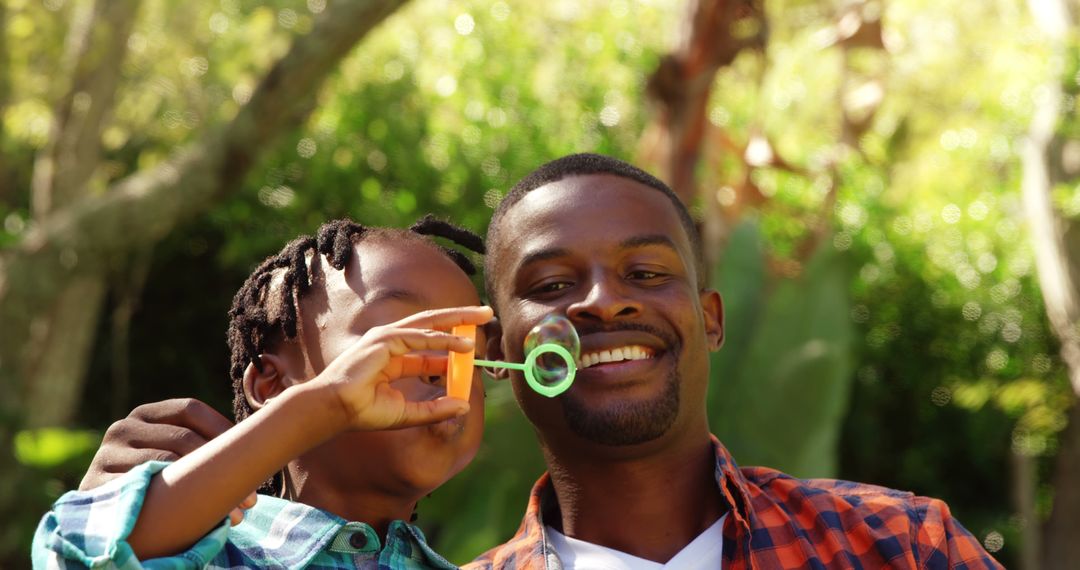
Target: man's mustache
668, 339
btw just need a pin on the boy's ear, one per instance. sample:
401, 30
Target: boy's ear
260, 386
493, 347
712, 307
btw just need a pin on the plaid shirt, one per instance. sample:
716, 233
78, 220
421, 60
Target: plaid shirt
778, 521
87, 529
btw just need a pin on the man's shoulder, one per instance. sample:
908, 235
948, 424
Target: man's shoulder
826, 496
774, 482
835, 515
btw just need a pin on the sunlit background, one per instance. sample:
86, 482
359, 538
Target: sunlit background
856, 166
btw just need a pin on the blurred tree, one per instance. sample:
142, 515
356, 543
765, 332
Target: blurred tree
864, 155
1051, 158
53, 281
832, 138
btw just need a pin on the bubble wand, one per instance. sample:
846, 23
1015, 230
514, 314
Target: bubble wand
552, 346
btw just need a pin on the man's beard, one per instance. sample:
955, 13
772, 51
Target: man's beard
628, 423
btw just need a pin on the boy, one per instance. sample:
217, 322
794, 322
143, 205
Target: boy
334, 341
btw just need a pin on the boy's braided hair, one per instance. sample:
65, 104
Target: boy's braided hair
264, 310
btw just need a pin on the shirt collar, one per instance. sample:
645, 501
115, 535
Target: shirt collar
730, 480
734, 486
289, 534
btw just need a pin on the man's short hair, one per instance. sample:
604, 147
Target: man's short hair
581, 165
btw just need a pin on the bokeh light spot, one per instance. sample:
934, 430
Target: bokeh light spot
446, 85
994, 541
219, 23
500, 11
306, 148
288, 18
609, 116
492, 198
940, 396
971, 311
951, 214
464, 24
997, 360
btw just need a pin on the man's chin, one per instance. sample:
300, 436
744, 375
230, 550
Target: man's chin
622, 423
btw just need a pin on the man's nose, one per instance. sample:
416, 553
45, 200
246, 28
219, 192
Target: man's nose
607, 299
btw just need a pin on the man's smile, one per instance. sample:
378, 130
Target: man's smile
622, 353
617, 354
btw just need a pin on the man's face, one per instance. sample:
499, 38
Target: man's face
610, 254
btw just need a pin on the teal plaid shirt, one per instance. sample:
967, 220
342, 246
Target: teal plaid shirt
88, 529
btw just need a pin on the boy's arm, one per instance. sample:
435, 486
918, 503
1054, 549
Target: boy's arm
192, 495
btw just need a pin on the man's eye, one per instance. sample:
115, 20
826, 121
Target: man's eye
552, 287
643, 274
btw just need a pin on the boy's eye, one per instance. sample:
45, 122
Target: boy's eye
643, 274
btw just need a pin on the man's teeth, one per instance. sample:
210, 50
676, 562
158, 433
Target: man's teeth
616, 355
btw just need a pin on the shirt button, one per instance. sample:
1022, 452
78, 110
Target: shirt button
358, 540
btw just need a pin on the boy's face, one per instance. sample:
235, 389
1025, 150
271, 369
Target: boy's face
386, 281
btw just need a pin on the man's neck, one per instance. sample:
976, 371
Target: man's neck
648, 507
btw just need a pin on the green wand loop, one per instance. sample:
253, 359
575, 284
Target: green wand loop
535, 374
552, 350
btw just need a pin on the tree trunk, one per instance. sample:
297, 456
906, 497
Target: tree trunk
6, 185
1061, 546
1058, 268
1025, 482
95, 50
79, 241
62, 334
679, 88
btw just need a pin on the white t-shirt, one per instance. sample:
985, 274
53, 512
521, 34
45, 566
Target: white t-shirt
704, 552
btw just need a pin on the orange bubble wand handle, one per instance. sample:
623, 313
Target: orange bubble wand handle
460, 374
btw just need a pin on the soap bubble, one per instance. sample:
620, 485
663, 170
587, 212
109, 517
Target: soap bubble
553, 329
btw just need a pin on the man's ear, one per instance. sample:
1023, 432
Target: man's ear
260, 386
493, 347
712, 307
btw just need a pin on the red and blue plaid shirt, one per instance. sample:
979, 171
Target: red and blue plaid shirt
778, 521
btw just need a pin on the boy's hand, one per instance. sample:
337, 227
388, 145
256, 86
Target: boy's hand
161, 431
413, 346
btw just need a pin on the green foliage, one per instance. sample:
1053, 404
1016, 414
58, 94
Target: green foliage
780, 386
57, 459
911, 350
49, 448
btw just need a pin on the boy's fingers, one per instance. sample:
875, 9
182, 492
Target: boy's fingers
416, 365
236, 516
432, 411
447, 318
405, 341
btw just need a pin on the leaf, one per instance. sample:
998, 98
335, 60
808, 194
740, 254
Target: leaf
789, 388
52, 447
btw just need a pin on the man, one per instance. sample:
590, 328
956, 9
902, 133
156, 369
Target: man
635, 479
